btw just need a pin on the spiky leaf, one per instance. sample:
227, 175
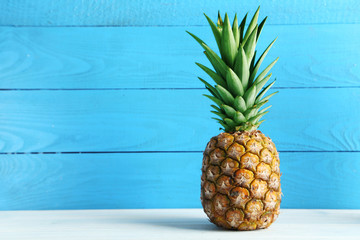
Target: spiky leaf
249, 46
261, 59
242, 27
235, 29
234, 83
261, 25
257, 117
219, 21
268, 97
230, 122
241, 67
252, 24
217, 79
230, 112
214, 99
215, 30
216, 108
228, 43
212, 56
265, 71
261, 84
219, 114
225, 95
240, 104
262, 93
250, 96
239, 117
239, 93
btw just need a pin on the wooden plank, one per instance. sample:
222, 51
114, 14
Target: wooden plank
160, 12
168, 120
310, 56
171, 224
162, 180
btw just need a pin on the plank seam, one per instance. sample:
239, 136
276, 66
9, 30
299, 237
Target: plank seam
127, 152
163, 25
149, 89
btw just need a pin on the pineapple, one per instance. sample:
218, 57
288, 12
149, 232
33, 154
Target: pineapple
240, 182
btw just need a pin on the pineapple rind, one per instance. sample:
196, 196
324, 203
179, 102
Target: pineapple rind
240, 187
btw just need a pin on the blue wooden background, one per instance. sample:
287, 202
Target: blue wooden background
100, 106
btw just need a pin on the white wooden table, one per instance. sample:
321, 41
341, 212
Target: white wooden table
171, 224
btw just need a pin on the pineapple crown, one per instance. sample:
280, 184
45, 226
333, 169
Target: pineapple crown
239, 91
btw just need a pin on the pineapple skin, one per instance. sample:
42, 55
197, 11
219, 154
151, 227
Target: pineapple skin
240, 182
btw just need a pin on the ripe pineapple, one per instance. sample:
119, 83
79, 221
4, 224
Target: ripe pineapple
240, 182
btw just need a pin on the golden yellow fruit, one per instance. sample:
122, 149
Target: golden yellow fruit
240, 183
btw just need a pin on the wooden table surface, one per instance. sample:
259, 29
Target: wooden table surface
171, 224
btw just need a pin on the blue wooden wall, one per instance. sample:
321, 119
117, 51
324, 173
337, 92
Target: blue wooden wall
100, 106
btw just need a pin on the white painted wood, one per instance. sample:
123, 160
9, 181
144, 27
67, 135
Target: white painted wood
171, 224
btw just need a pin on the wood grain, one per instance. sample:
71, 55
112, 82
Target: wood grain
33, 58
168, 120
162, 180
160, 12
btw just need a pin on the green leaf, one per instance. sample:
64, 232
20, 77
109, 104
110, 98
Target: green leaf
242, 28
226, 127
250, 44
268, 97
250, 113
239, 117
217, 69
252, 24
258, 124
240, 104
214, 99
241, 67
234, 83
215, 60
219, 114
253, 110
263, 110
261, 84
228, 44
261, 25
225, 95
266, 70
249, 96
229, 122
262, 93
211, 88
196, 38
217, 119
230, 112
260, 104
215, 94
257, 117
261, 59
235, 29
215, 31
252, 62
219, 21
217, 79
216, 108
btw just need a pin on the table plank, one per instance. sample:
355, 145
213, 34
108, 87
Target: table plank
171, 224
